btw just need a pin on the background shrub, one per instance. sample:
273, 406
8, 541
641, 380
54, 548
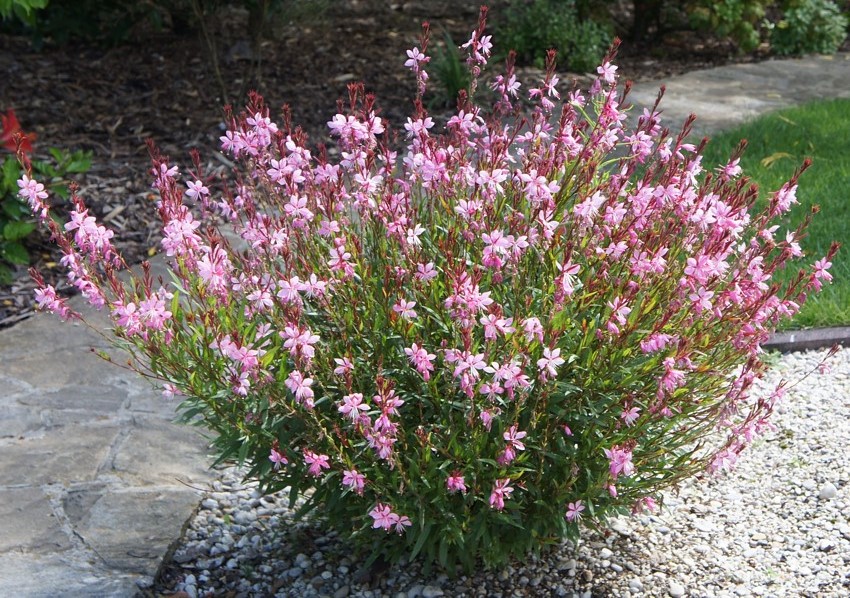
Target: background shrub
809, 26
532, 28
738, 20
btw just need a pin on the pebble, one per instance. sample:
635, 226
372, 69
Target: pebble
702, 542
827, 491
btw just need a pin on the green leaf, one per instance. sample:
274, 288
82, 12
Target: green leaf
443, 554
14, 253
61, 190
420, 541
11, 173
80, 162
5, 274
15, 231
16, 210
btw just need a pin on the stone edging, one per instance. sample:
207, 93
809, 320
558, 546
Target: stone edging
804, 340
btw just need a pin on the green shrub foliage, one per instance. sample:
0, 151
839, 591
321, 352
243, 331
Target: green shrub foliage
809, 26
533, 28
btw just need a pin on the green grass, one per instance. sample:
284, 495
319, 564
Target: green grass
777, 144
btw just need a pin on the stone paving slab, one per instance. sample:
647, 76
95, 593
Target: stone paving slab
729, 95
96, 482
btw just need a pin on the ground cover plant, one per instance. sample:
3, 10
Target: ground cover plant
462, 351
777, 143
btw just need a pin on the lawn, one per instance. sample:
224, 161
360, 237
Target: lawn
777, 144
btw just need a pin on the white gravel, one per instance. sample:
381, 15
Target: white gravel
778, 525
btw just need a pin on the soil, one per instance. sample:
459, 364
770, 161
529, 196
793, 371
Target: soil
162, 87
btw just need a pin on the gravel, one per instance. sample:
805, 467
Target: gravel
778, 525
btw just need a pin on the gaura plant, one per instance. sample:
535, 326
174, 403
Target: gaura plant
522, 322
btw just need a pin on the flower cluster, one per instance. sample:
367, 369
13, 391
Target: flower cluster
518, 321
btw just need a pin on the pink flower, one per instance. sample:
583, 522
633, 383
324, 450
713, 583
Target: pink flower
784, 198
197, 190
501, 491
456, 483
316, 462
549, 363
339, 261
382, 444
352, 405
619, 314
566, 284
646, 503
403, 522
214, 269
479, 48
278, 458
620, 461
126, 316
656, 342
382, 515
608, 72
405, 309
384, 518
354, 480
672, 378
169, 391
179, 236
34, 193
415, 59
421, 360
389, 402
533, 329
300, 342
163, 173
723, 460
487, 416
491, 181
494, 326
300, 387
425, 272
288, 290
702, 300
152, 310
514, 437
574, 510
507, 456
820, 272
297, 210
343, 366
630, 416
732, 169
